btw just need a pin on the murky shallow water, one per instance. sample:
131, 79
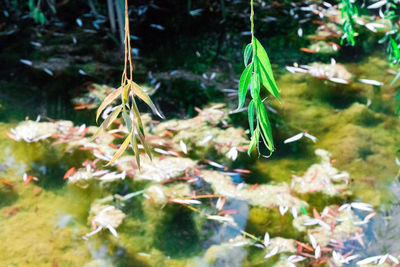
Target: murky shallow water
43, 222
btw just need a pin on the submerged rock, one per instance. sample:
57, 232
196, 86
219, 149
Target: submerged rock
160, 169
81, 178
105, 216
322, 177
336, 73
284, 245
324, 47
262, 195
231, 228
227, 254
326, 31
201, 135
33, 131
161, 194
337, 225
329, 71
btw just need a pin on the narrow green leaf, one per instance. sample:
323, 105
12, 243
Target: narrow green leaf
137, 116
125, 92
36, 15
107, 101
398, 109
53, 9
42, 18
135, 150
255, 86
266, 80
395, 78
247, 54
396, 50
264, 123
127, 120
144, 143
31, 5
121, 150
251, 116
254, 140
142, 95
99, 131
266, 144
263, 68
244, 84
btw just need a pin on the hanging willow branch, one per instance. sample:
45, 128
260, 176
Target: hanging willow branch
128, 109
258, 73
349, 11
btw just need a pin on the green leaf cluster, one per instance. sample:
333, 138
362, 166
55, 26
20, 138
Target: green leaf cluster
348, 12
36, 11
257, 74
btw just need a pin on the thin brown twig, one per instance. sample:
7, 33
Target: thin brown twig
128, 39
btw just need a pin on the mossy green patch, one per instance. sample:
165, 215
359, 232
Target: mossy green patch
262, 220
30, 235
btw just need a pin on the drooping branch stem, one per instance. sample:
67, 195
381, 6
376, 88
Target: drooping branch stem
128, 39
252, 29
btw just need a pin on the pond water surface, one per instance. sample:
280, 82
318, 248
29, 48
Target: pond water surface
43, 222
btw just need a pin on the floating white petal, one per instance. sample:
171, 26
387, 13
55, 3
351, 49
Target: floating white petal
338, 80
377, 4
312, 240
294, 138
183, 147
266, 239
369, 260
371, 82
272, 253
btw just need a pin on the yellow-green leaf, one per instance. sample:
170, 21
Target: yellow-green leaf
107, 122
125, 93
127, 120
99, 131
144, 143
137, 116
121, 150
135, 150
142, 95
107, 101
254, 140
147, 149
